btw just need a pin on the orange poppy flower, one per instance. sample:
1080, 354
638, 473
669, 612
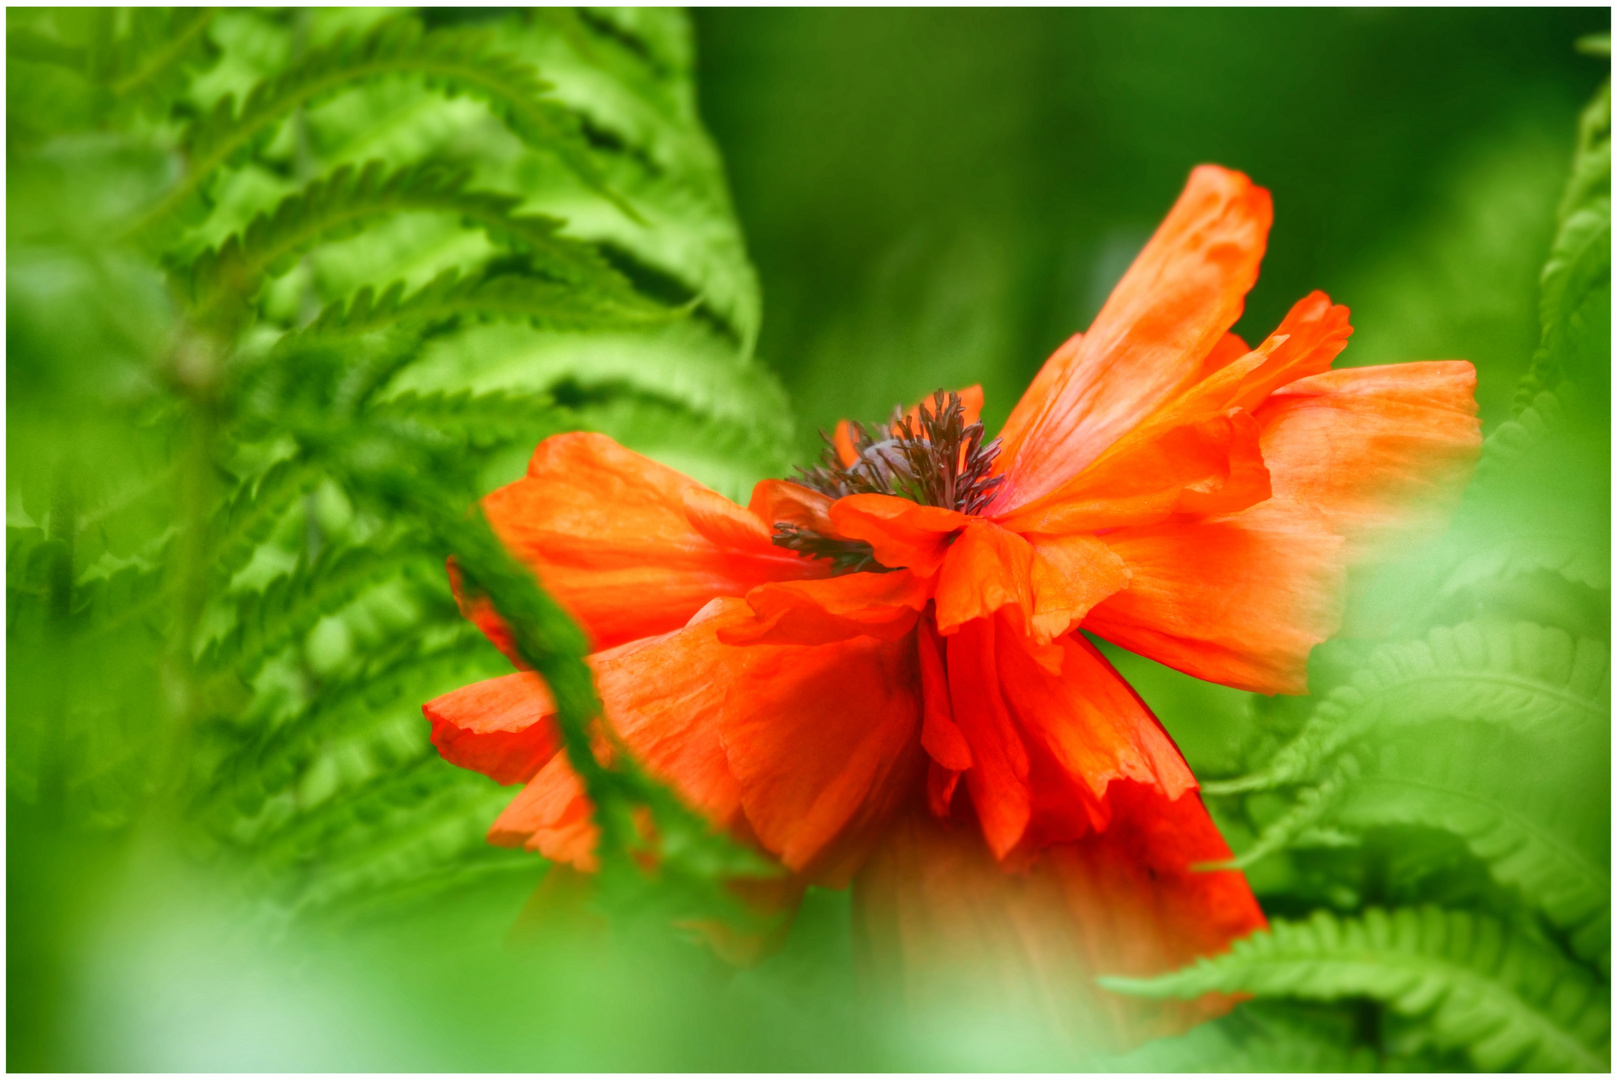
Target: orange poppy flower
874, 673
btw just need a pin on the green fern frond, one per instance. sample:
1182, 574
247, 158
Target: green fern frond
1507, 1000
391, 682
1580, 260
246, 521
460, 61
1537, 833
1434, 733
1258, 1037
1309, 808
545, 304
480, 420
1522, 675
290, 606
222, 278
152, 61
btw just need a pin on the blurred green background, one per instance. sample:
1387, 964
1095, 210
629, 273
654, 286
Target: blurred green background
941, 198
931, 198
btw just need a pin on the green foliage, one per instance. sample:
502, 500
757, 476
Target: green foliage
288, 290
1443, 806
260, 589
1507, 1000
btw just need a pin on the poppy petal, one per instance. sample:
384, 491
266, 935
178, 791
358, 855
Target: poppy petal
900, 533
937, 920
985, 569
662, 697
940, 735
1208, 465
1071, 574
1090, 719
552, 816
1238, 599
499, 727
1036, 398
998, 777
833, 609
1195, 455
814, 745
628, 547
781, 502
1170, 311
1383, 453
822, 741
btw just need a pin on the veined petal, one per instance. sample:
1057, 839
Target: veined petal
1383, 453
1037, 398
939, 921
1311, 336
1238, 599
1092, 721
628, 547
1206, 466
900, 533
552, 816
499, 727
1199, 453
998, 777
781, 502
823, 743
833, 609
807, 748
985, 569
1165, 317
1071, 574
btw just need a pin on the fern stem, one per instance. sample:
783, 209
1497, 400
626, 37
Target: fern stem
162, 59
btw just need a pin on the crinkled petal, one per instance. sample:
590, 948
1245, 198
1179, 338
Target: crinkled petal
938, 921
628, 547
1170, 311
781, 502
809, 749
823, 743
500, 727
1383, 453
900, 533
998, 777
1199, 453
1071, 574
663, 698
1207, 466
552, 816
985, 569
1092, 721
1239, 599
884, 605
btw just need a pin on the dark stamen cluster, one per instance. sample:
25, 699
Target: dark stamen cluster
936, 459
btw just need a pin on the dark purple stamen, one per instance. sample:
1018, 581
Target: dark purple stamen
935, 460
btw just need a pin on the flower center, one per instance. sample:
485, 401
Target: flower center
932, 457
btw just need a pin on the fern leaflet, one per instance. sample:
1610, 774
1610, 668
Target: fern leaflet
1507, 1000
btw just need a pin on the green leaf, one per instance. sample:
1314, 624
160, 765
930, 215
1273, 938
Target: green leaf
247, 520
1256, 1037
220, 280
543, 304
291, 604
1434, 734
1507, 1000
1523, 676
153, 61
456, 60
1575, 288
